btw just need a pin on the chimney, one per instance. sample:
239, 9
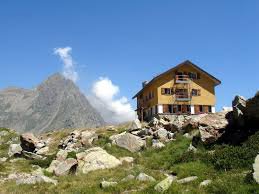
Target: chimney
144, 83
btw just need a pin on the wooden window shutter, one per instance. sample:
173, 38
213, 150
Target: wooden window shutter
162, 90
199, 92
172, 91
198, 76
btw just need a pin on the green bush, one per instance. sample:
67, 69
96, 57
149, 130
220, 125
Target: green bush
43, 163
71, 154
228, 157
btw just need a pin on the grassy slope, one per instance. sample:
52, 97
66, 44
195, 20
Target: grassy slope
172, 158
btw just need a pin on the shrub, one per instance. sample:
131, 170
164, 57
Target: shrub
71, 154
236, 157
43, 163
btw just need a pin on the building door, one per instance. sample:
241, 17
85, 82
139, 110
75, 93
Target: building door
165, 108
184, 108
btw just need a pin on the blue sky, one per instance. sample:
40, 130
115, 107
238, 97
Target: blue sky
131, 41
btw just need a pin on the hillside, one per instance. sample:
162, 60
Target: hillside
55, 104
203, 154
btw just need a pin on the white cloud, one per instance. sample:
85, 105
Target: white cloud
112, 109
69, 65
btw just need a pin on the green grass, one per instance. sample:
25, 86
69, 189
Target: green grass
174, 158
4, 139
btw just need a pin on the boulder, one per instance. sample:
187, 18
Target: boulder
256, 169
165, 184
128, 141
251, 112
87, 137
162, 134
157, 144
135, 125
144, 177
212, 127
2, 160
187, 179
14, 150
31, 155
43, 151
239, 102
127, 159
128, 178
62, 155
24, 178
66, 167
75, 134
95, 159
106, 184
239, 107
205, 183
29, 142
53, 165
191, 148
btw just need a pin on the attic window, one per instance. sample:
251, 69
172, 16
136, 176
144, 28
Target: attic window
196, 92
166, 91
193, 75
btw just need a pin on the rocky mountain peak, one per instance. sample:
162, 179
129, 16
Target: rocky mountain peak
55, 104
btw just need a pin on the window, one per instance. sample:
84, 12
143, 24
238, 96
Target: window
179, 108
192, 75
150, 95
166, 91
210, 109
196, 92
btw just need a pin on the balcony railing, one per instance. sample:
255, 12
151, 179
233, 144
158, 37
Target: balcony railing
182, 97
182, 79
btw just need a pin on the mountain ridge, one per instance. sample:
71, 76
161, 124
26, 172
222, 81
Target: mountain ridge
54, 104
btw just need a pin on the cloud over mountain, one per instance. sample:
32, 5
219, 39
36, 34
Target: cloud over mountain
105, 100
68, 64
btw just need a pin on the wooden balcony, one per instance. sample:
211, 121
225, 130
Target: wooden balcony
182, 79
182, 97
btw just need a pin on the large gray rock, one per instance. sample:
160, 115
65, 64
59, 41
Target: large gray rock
57, 103
212, 127
256, 169
239, 102
95, 159
128, 141
165, 184
53, 165
187, 179
14, 149
251, 112
29, 142
239, 107
135, 125
106, 184
62, 155
66, 167
144, 177
87, 137
24, 178
162, 134
205, 183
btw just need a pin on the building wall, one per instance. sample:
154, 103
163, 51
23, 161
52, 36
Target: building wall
204, 84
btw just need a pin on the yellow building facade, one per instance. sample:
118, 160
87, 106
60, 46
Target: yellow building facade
184, 89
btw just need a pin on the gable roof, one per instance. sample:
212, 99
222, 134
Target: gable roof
187, 62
